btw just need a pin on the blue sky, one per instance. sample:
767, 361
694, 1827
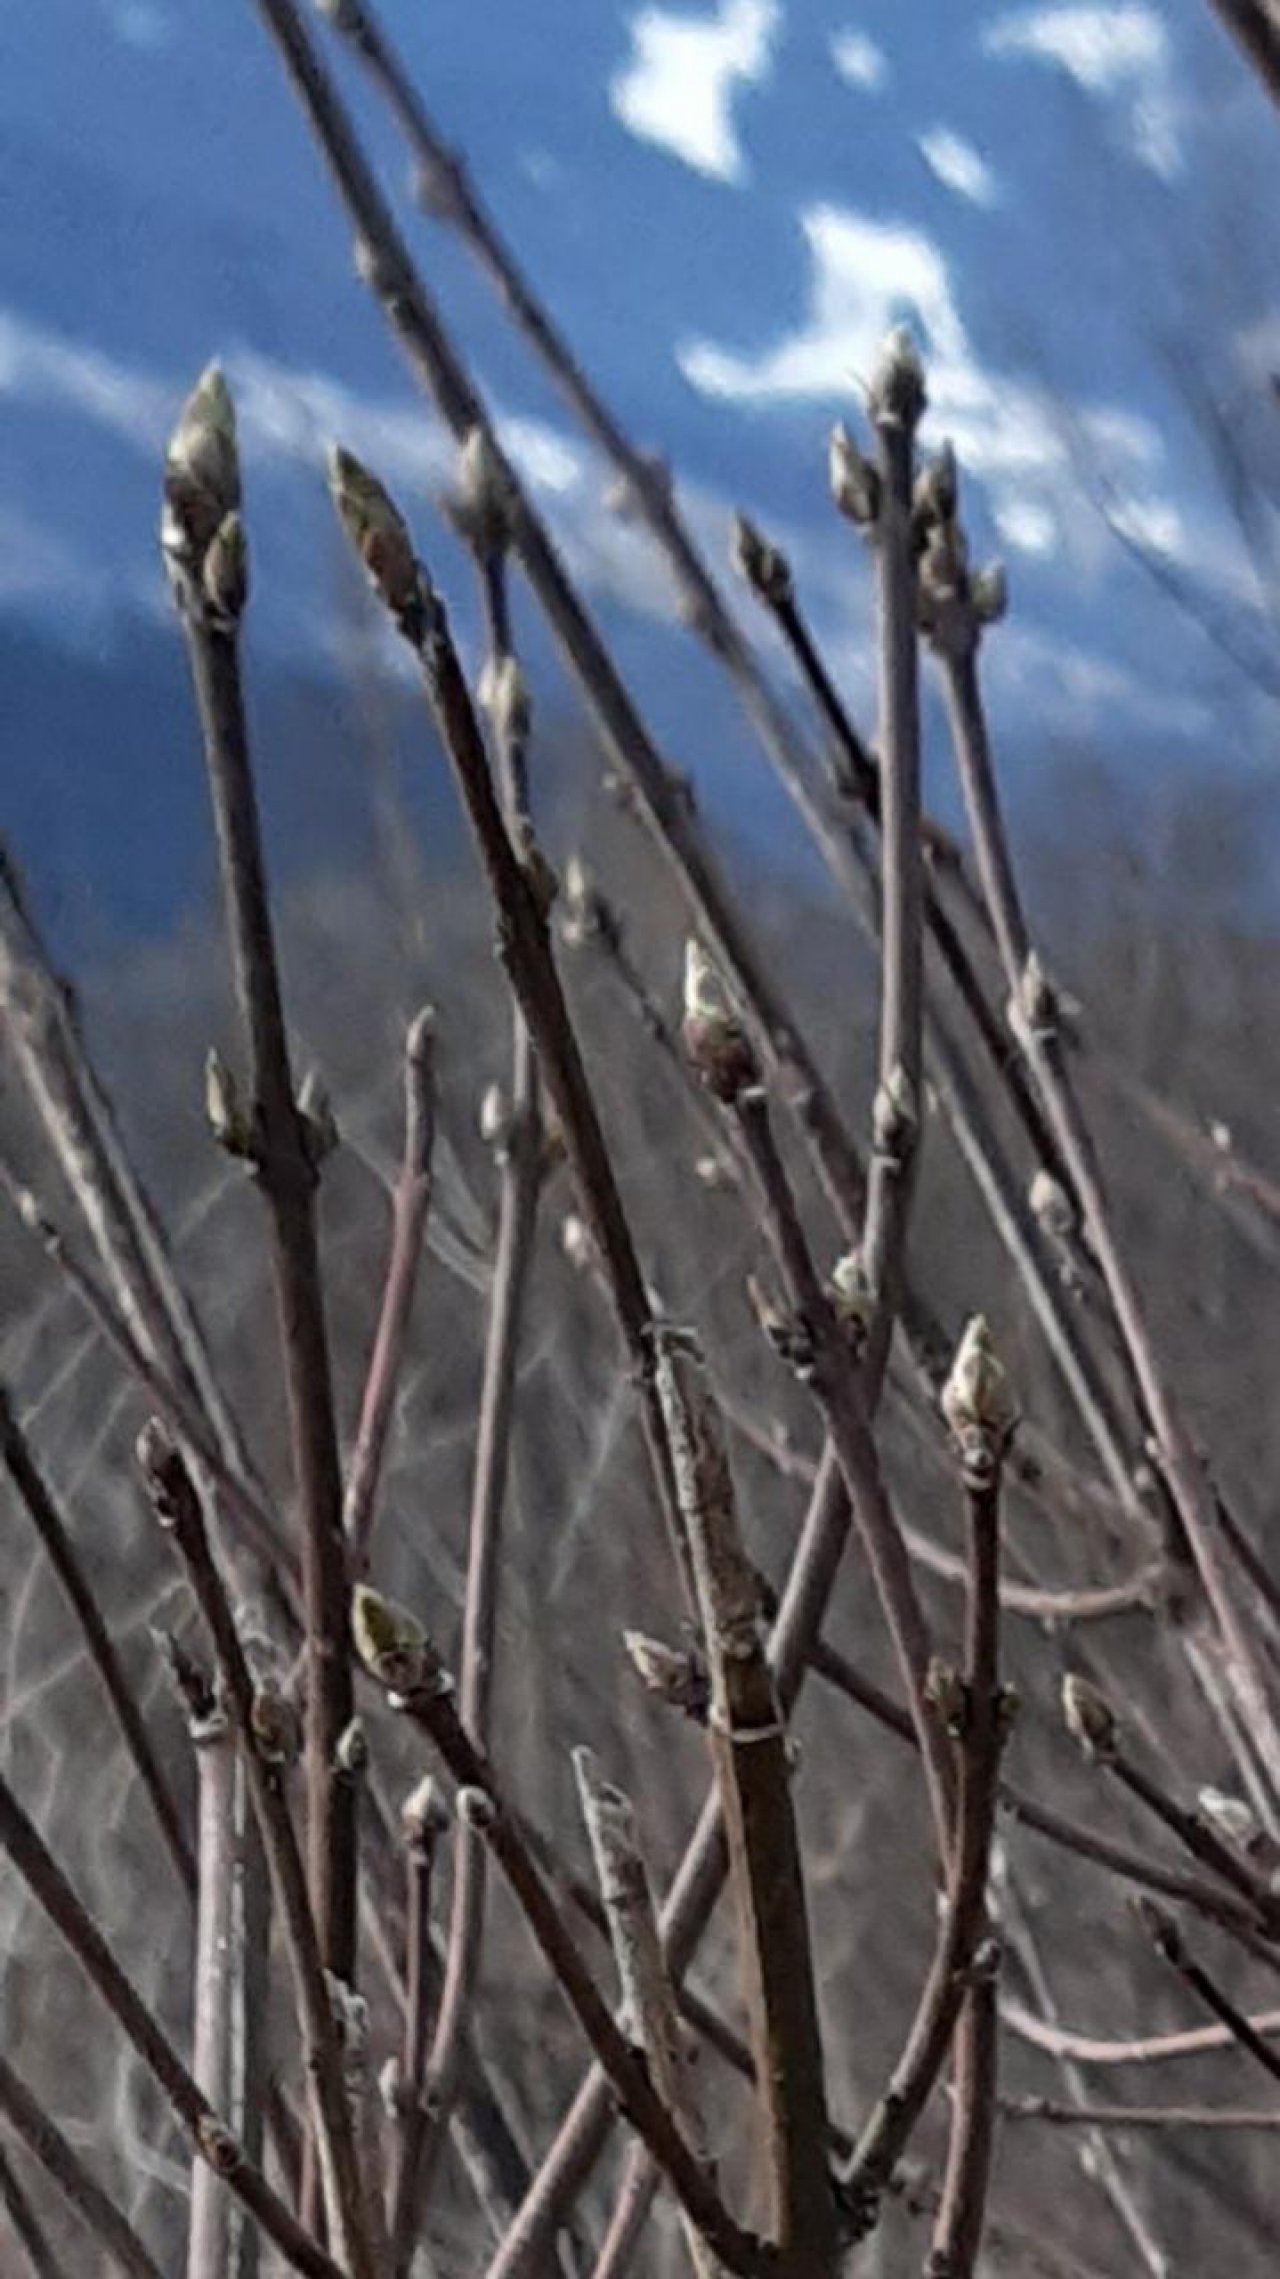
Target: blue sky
727, 202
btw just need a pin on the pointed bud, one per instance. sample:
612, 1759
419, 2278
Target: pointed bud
976, 1396
1035, 1009
944, 566
424, 1815
224, 580
1090, 1719
229, 1122
946, 1693
505, 697
1229, 1817
680, 1680
202, 470
275, 1725
989, 593
855, 485
394, 1647
379, 536
712, 1172
897, 396
760, 565
895, 1116
494, 1120
712, 1034
937, 490
351, 1757
855, 1299
320, 1125
1051, 1205
475, 1809
482, 502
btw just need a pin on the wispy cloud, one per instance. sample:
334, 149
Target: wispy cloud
1120, 54
677, 88
868, 275
859, 62
958, 166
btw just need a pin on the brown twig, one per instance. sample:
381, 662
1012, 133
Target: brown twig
520, 1148
753, 1775
957, 607
423, 1822
957, 2235
208, 2133
411, 1205
1168, 1941
650, 2009
827, 1360
401, 1659
217, 1961
205, 555
94, 2207
973, 1710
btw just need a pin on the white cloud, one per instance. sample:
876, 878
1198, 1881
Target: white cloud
1015, 439
958, 166
1026, 526
1120, 54
140, 24
677, 89
859, 61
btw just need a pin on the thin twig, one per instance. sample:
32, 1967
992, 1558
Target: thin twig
1168, 1941
1148, 2049
410, 1208
25, 2224
1192, 2117
204, 548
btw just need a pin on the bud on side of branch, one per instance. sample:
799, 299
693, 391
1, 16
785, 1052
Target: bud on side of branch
394, 1647
224, 579
680, 1680
229, 1121
1090, 1719
481, 505
713, 1036
855, 484
895, 1116
761, 565
379, 537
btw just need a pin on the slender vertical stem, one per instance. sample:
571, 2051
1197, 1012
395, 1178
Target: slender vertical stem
217, 1963
410, 1209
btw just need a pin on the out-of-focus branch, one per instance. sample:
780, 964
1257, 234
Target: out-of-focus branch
1142, 2049
64, 1557
94, 2207
1255, 27
208, 2132
1190, 2117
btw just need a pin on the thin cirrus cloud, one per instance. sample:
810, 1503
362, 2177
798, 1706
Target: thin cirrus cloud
858, 61
678, 86
1121, 55
958, 166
